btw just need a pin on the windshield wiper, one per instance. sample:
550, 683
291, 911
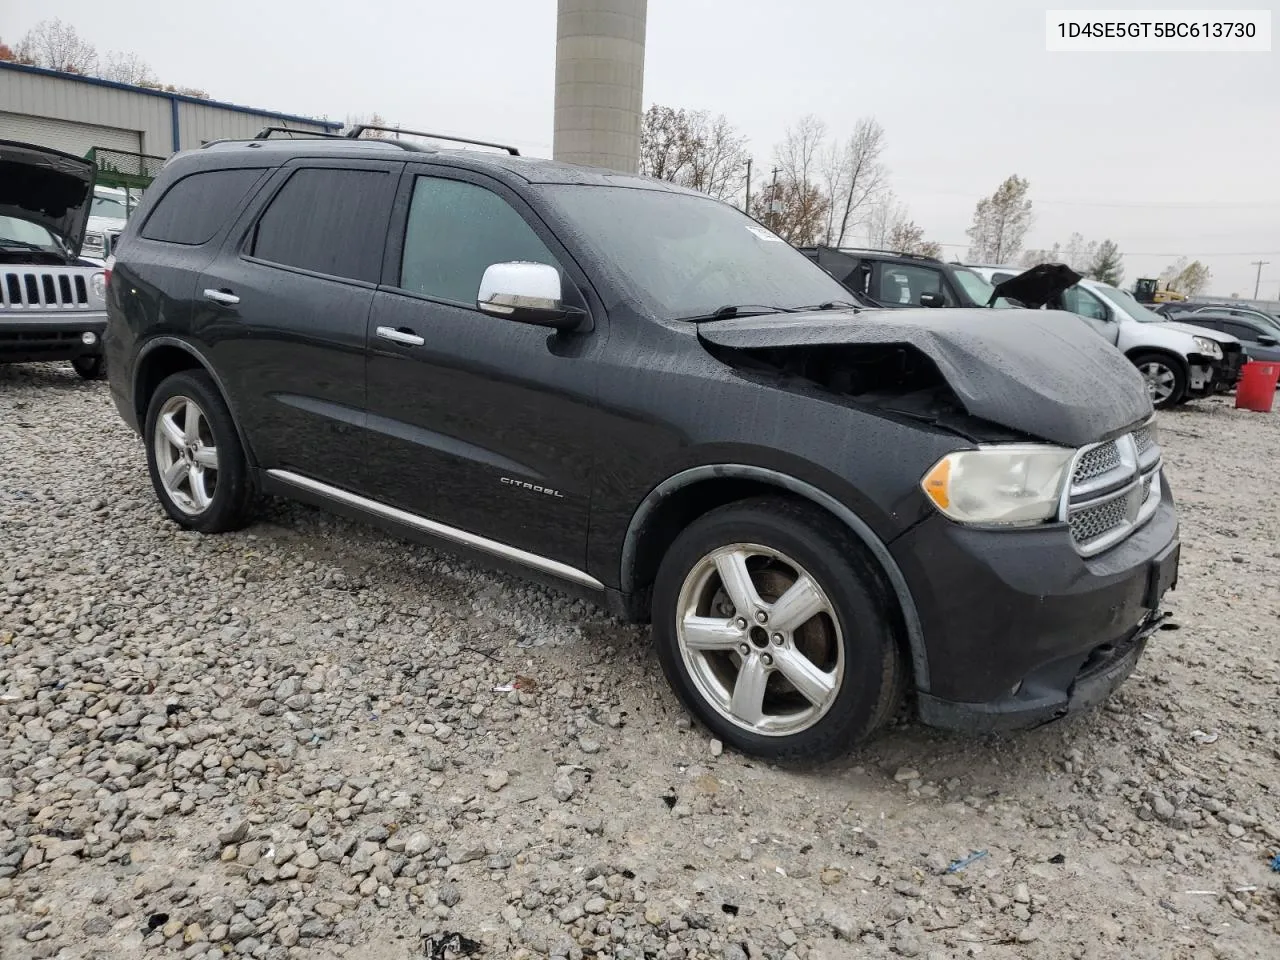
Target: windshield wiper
831, 305
24, 245
731, 310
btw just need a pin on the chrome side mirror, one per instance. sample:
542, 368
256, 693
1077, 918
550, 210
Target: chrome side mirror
526, 293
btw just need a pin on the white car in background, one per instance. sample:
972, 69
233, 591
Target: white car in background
1180, 362
107, 216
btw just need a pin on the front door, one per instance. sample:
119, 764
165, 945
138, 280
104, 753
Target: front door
477, 422
286, 303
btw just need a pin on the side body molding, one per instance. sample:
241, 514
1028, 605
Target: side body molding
910, 616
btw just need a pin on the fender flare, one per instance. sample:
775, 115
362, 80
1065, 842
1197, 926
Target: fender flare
167, 341
859, 527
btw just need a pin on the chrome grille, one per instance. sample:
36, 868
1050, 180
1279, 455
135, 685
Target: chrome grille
1092, 522
1096, 461
44, 289
1143, 440
1115, 489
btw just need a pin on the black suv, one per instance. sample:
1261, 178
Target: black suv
888, 279
636, 392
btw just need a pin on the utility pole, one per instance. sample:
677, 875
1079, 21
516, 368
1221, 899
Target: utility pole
774, 207
1258, 282
748, 211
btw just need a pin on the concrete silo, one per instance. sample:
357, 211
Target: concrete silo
599, 82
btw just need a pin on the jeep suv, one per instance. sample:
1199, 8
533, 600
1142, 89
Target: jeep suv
637, 393
52, 303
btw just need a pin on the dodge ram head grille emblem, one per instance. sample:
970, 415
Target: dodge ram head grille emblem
545, 491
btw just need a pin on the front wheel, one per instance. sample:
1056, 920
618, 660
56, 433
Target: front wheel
772, 628
1166, 381
90, 368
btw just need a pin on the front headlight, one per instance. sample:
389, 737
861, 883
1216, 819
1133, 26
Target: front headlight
98, 284
1209, 348
1017, 484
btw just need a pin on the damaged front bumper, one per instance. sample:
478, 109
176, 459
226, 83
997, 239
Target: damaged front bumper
1019, 629
1072, 685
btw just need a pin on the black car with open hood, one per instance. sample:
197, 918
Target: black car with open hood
641, 395
52, 302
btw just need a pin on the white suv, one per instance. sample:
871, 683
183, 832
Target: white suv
1179, 361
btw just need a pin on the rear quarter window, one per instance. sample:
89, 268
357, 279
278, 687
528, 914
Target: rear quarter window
195, 208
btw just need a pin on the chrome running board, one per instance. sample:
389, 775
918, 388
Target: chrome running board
445, 532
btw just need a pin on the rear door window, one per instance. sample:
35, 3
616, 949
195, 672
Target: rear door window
457, 230
903, 283
327, 220
194, 209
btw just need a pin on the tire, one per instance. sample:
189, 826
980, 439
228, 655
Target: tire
852, 666
1165, 376
90, 368
213, 494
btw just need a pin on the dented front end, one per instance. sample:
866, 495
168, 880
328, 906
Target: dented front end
1042, 376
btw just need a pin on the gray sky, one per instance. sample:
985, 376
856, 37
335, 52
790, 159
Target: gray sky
1165, 153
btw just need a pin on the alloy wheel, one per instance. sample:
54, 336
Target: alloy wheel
760, 639
186, 455
1161, 380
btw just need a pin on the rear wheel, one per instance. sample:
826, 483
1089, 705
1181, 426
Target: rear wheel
198, 468
1166, 381
90, 368
771, 627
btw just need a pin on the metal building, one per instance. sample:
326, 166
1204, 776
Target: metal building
75, 114
599, 82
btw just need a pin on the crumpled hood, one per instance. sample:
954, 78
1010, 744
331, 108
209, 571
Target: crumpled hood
1042, 373
46, 187
1217, 336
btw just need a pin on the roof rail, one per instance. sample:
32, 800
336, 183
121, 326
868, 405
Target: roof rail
266, 132
354, 133
896, 253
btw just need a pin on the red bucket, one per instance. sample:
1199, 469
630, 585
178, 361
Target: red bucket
1257, 388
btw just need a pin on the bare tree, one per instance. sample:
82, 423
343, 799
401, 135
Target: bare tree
718, 158
854, 177
128, 68
798, 154
664, 142
694, 149
56, 45
883, 215
1031, 258
1000, 222
799, 214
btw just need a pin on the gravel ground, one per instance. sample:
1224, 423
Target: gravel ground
309, 740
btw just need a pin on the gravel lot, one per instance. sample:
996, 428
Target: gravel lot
303, 741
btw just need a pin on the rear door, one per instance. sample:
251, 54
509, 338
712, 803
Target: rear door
477, 422
285, 306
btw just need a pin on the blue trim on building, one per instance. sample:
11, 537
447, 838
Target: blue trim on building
174, 127
174, 98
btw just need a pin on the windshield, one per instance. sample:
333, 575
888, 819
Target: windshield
684, 257
27, 236
1129, 305
108, 207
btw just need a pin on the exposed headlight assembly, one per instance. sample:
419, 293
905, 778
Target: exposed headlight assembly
1008, 484
1209, 347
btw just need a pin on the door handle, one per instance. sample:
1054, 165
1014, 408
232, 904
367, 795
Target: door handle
221, 296
400, 336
